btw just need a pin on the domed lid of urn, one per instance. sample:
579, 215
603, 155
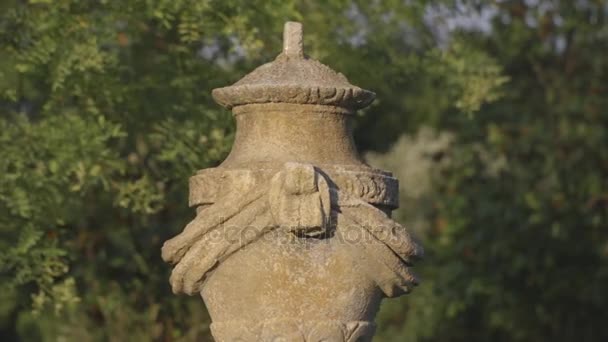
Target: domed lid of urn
294, 78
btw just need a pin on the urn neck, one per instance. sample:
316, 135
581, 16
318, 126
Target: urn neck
275, 133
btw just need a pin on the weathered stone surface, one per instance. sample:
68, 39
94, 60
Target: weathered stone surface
293, 239
373, 186
293, 330
294, 78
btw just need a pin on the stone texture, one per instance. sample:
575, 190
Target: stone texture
294, 78
293, 239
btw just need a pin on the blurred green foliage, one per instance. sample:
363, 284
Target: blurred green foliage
106, 111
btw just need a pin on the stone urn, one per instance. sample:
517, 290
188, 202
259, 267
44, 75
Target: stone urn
293, 239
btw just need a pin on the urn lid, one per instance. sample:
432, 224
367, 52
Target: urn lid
294, 78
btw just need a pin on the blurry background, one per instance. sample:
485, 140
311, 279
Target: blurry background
493, 114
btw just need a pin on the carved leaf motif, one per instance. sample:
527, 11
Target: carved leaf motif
359, 331
281, 331
293, 330
236, 332
326, 332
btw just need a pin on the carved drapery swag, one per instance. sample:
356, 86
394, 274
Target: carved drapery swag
303, 200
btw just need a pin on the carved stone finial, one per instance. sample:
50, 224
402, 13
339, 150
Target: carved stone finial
293, 79
293, 239
292, 39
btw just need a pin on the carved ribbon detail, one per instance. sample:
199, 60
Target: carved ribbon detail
299, 199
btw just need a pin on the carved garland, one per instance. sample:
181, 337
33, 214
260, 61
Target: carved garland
301, 200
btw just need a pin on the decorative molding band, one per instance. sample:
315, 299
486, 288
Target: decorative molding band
237, 95
293, 108
372, 186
